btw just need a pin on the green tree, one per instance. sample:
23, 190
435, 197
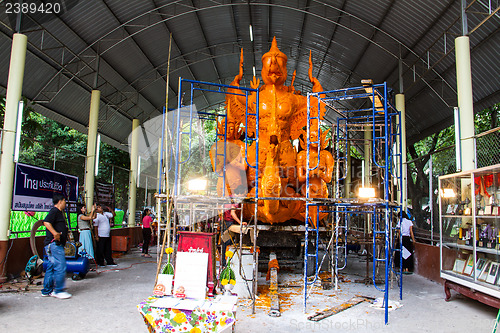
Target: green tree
443, 162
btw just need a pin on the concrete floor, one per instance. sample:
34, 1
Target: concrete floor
106, 302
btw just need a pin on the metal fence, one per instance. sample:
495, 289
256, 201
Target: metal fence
443, 162
45, 155
488, 148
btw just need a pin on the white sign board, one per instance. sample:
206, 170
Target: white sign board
191, 273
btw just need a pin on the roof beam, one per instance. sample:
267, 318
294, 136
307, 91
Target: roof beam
335, 26
165, 24
304, 16
206, 42
368, 43
139, 47
60, 72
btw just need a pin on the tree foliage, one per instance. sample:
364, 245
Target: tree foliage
443, 162
48, 144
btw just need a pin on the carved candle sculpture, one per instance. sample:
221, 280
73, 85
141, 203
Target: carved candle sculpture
282, 118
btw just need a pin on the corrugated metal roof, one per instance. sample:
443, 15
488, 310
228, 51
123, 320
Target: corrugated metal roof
349, 40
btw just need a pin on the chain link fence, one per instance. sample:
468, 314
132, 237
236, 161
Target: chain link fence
45, 155
443, 162
488, 148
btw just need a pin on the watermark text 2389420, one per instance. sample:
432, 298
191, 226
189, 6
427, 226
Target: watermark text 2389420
27, 7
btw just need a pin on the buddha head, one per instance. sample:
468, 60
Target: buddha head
274, 66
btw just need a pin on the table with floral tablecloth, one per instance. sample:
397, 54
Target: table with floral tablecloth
209, 317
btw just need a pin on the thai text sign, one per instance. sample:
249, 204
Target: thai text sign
34, 188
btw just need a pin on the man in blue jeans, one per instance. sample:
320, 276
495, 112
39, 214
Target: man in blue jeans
55, 239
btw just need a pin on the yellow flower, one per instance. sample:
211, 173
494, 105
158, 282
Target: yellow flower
222, 322
150, 319
224, 282
232, 281
195, 330
169, 250
180, 318
229, 254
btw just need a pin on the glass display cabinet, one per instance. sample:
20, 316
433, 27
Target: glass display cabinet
469, 216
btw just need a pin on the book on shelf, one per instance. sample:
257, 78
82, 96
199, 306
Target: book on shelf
481, 263
469, 265
495, 211
492, 275
459, 265
485, 271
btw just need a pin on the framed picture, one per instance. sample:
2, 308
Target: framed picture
495, 211
469, 267
480, 266
487, 210
449, 210
485, 271
459, 265
492, 275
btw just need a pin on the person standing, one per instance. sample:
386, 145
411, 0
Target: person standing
232, 223
85, 226
146, 232
103, 251
57, 232
407, 234
110, 214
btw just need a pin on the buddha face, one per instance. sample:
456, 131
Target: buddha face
274, 69
231, 131
313, 138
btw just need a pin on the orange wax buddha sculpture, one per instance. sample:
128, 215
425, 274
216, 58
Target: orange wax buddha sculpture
231, 167
320, 171
282, 116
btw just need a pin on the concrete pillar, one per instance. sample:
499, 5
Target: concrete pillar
92, 148
400, 106
368, 146
14, 91
348, 176
134, 149
465, 102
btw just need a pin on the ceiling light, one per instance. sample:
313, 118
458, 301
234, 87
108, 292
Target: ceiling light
251, 33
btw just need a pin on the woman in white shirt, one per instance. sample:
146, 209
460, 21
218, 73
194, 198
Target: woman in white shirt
407, 234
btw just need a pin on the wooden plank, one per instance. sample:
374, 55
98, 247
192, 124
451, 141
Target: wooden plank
339, 308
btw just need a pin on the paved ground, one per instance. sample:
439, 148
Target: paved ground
106, 302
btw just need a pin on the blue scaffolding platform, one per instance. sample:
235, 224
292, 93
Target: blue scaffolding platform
381, 214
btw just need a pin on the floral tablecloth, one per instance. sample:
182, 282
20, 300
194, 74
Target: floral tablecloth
201, 319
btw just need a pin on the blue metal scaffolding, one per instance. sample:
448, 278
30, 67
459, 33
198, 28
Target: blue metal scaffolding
182, 131
382, 213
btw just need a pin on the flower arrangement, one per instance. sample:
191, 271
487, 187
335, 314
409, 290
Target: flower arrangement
227, 275
169, 268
